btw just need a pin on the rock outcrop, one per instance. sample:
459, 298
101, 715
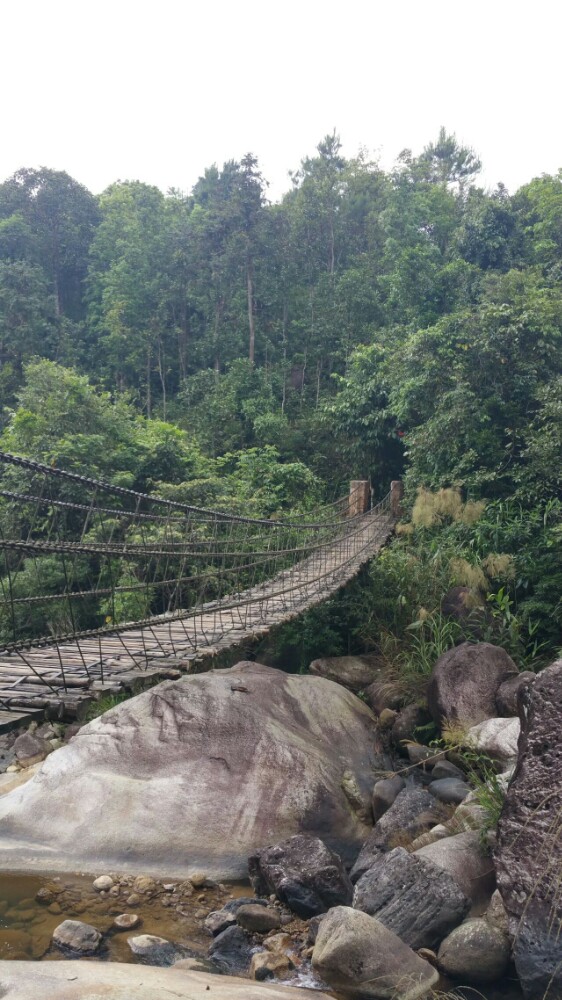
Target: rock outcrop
76, 980
529, 851
465, 681
196, 774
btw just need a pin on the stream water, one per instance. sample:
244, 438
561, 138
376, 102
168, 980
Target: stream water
26, 925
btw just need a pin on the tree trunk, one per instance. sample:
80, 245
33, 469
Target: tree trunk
284, 336
251, 319
148, 381
162, 374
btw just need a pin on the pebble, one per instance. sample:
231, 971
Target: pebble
198, 879
126, 921
144, 884
133, 900
45, 895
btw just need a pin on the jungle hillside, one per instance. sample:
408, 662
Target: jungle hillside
227, 351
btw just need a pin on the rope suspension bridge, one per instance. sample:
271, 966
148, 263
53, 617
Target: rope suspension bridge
102, 587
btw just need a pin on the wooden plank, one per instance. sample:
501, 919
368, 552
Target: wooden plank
12, 719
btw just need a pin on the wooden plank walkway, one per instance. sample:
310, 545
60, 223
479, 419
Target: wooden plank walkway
61, 681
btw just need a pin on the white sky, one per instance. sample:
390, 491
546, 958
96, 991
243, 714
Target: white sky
159, 90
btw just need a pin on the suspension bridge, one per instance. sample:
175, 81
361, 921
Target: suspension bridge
103, 587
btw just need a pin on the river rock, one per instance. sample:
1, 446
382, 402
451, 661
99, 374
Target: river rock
465, 681
410, 719
412, 811
126, 921
475, 952
267, 965
218, 921
77, 937
232, 950
449, 790
103, 884
153, 950
258, 919
234, 905
528, 855
421, 756
155, 782
360, 957
78, 980
508, 693
382, 694
384, 794
465, 860
354, 672
303, 873
412, 897
446, 769
496, 914
497, 738
30, 749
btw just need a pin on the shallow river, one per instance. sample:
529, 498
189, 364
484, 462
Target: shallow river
26, 926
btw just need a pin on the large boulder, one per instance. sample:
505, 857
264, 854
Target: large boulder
465, 681
79, 980
465, 860
354, 672
476, 952
412, 811
196, 774
359, 957
412, 897
303, 873
529, 849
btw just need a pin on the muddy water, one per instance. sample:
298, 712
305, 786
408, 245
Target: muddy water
26, 926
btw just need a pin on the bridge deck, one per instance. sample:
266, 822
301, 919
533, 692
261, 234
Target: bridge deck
61, 680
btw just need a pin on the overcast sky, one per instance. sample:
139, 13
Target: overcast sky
159, 90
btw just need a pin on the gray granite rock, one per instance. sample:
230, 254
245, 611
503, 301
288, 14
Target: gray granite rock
77, 937
413, 811
384, 794
412, 897
449, 790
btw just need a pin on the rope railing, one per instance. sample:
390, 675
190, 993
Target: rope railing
83, 561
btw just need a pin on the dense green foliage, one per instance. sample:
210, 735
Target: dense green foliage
236, 352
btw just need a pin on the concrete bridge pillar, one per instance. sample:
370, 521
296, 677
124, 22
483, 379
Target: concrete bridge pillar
359, 497
396, 495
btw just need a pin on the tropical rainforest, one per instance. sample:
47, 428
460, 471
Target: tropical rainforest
230, 351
